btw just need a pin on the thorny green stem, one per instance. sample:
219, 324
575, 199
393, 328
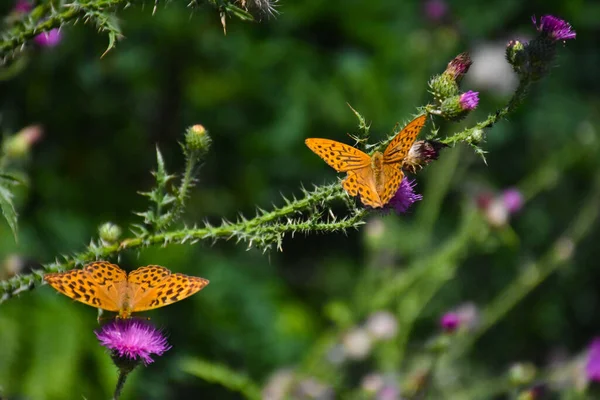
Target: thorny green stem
471, 136
257, 231
120, 383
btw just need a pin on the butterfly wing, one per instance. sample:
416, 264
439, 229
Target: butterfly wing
154, 286
339, 156
400, 145
392, 179
362, 182
98, 284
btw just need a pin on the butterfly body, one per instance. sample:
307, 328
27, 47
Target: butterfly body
375, 178
105, 285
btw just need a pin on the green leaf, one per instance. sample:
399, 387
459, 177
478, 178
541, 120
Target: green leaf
220, 374
8, 209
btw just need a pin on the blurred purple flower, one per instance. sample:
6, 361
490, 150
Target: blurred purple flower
513, 200
469, 100
435, 10
450, 321
405, 197
132, 339
556, 28
592, 367
48, 39
22, 7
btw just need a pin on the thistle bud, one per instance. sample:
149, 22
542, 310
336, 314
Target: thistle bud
516, 56
422, 153
109, 232
443, 86
19, 145
459, 66
457, 107
197, 139
521, 374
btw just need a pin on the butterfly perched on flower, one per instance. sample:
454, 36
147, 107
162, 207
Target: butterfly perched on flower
375, 178
106, 286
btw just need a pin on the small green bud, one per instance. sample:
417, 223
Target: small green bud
516, 56
197, 139
109, 232
18, 146
457, 107
443, 86
521, 374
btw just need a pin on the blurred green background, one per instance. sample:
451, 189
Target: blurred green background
260, 91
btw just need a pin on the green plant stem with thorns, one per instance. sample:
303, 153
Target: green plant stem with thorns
45, 17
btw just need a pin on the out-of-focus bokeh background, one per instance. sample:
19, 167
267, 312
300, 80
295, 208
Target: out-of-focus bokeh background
301, 317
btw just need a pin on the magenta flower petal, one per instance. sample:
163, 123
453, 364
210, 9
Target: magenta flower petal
405, 196
435, 10
22, 7
556, 28
48, 39
133, 339
450, 321
513, 200
469, 100
592, 367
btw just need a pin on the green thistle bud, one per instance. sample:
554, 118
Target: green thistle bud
19, 145
197, 139
521, 374
516, 56
446, 85
457, 107
109, 232
442, 87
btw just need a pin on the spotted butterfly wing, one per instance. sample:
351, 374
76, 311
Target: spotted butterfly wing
339, 156
99, 284
400, 145
154, 286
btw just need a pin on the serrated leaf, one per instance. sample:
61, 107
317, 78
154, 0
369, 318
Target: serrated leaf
238, 12
8, 209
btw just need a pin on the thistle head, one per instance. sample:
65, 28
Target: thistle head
131, 342
457, 107
404, 198
422, 153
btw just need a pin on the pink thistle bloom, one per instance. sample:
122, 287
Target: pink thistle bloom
592, 367
22, 7
513, 200
435, 10
469, 100
405, 196
132, 339
556, 28
450, 321
48, 39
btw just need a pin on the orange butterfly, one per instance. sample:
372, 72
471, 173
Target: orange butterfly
376, 178
105, 285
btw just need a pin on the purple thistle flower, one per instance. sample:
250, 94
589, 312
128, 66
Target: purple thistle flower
132, 339
22, 7
592, 367
513, 200
435, 10
405, 196
469, 100
556, 28
459, 66
450, 321
48, 39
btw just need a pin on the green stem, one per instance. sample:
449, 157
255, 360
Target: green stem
120, 383
256, 232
